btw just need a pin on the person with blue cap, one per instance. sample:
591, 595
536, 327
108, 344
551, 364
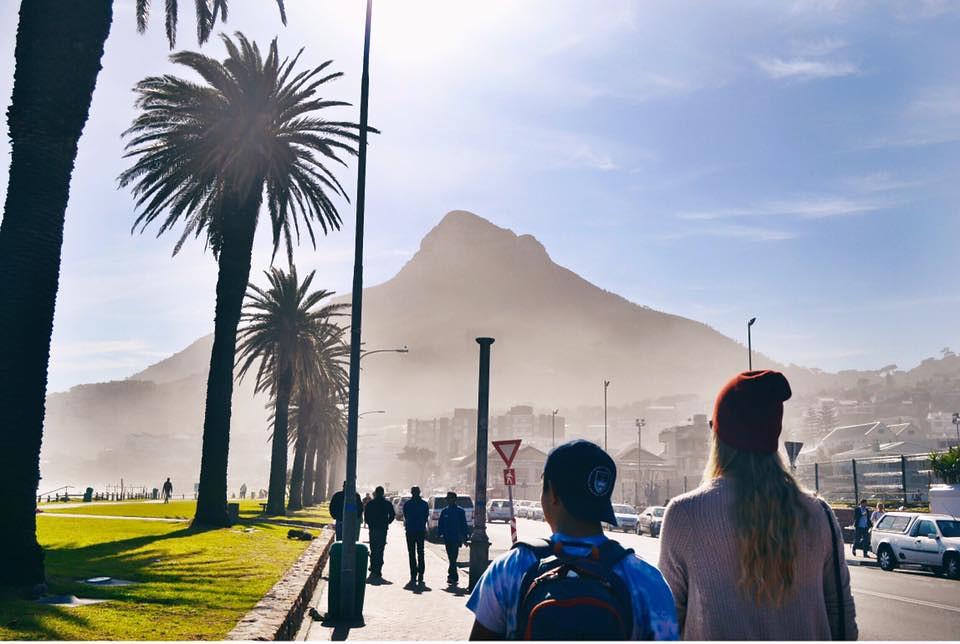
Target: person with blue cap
578, 584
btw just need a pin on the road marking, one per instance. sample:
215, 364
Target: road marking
908, 600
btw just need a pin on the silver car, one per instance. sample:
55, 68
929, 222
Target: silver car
498, 510
627, 518
651, 519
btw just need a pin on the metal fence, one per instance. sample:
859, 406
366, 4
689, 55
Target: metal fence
897, 480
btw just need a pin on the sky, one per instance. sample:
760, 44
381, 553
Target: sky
793, 161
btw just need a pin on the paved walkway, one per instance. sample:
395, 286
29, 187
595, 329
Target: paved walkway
391, 612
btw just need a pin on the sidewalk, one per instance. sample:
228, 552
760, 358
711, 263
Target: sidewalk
390, 612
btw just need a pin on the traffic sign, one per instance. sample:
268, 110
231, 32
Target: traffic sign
509, 477
507, 450
793, 450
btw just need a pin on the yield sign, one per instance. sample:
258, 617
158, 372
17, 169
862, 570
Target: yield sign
507, 449
793, 450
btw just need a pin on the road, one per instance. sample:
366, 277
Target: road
901, 605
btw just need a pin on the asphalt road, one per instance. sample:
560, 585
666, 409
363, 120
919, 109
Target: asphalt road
900, 605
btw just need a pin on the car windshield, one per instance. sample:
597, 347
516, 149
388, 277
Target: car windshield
658, 512
623, 509
949, 528
440, 502
894, 523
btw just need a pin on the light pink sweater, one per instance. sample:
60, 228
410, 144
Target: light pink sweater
698, 558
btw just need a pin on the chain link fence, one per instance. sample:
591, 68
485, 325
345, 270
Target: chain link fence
894, 480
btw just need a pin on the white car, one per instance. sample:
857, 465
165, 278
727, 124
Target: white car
498, 510
522, 509
437, 503
928, 541
536, 511
627, 517
651, 519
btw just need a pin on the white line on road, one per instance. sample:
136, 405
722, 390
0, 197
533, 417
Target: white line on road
908, 600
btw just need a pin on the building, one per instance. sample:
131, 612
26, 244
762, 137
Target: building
642, 477
852, 437
686, 448
527, 464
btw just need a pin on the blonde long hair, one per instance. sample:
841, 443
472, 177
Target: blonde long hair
768, 514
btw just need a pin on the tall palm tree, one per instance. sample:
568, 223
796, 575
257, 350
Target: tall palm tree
206, 154
320, 418
297, 345
57, 61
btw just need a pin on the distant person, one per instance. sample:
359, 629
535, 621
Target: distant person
167, 490
749, 555
415, 512
378, 515
453, 530
877, 514
336, 511
366, 499
243, 490
861, 528
578, 585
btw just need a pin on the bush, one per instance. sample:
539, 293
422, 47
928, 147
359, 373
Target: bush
946, 465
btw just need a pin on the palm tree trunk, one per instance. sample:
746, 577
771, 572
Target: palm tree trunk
232, 278
278, 457
296, 477
334, 475
320, 483
309, 471
58, 52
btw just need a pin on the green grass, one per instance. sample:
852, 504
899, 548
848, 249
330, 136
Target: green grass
194, 584
316, 516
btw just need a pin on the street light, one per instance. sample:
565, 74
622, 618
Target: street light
641, 423
376, 411
956, 423
606, 383
553, 427
750, 345
403, 349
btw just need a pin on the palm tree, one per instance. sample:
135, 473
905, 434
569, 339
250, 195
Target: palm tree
206, 155
320, 418
298, 349
57, 61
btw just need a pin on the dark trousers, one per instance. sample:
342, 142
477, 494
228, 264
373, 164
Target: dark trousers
453, 549
860, 540
378, 541
415, 553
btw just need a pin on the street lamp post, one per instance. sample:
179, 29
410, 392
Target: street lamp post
403, 349
956, 423
553, 427
479, 543
641, 423
750, 345
606, 383
348, 572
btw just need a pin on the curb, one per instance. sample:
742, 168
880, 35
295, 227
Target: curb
278, 615
862, 563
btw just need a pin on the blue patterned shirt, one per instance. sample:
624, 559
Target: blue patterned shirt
496, 597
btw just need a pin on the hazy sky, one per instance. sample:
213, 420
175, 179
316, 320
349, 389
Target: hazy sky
797, 161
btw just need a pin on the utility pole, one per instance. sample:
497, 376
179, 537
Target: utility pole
606, 383
348, 572
641, 423
956, 423
479, 543
750, 345
553, 427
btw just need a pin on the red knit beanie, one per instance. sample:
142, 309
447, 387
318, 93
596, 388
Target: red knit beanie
749, 411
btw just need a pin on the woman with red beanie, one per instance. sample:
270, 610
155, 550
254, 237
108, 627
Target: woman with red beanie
749, 555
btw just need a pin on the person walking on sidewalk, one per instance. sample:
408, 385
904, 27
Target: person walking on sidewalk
415, 512
749, 554
453, 530
583, 585
336, 511
167, 490
861, 528
378, 515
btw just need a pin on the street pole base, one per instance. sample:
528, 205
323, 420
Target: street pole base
479, 556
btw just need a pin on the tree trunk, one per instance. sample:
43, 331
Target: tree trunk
278, 458
310, 472
232, 279
320, 484
334, 475
58, 52
296, 478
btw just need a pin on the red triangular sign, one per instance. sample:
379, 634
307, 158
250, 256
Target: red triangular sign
507, 449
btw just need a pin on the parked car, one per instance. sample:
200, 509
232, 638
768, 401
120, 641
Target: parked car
650, 520
498, 510
536, 511
928, 541
627, 518
522, 509
437, 503
398, 502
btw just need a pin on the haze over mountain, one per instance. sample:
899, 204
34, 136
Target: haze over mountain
557, 338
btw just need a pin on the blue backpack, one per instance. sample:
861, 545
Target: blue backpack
567, 597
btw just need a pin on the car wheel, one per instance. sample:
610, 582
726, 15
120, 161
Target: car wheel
951, 566
886, 558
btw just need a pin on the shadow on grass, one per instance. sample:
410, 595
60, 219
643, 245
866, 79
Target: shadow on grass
29, 622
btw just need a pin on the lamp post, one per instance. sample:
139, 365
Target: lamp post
348, 572
956, 423
606, 383
750, 345
641, 423
376, 411
403, 349
479, 543
553, 427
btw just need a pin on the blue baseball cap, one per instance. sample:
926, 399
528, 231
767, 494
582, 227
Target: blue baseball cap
583, 476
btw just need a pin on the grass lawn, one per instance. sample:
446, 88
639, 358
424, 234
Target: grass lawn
249, 510
193, 584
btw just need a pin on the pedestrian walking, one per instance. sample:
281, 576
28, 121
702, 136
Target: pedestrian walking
336, 511
378, 515
453, 530
415, 512
167, 490
243, 491
578, 585
366, 499
861, 528
749, 555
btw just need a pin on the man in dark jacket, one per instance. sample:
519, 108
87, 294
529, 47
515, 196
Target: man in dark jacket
415, 513
336, 511
861, 528
452, 528
378, 514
